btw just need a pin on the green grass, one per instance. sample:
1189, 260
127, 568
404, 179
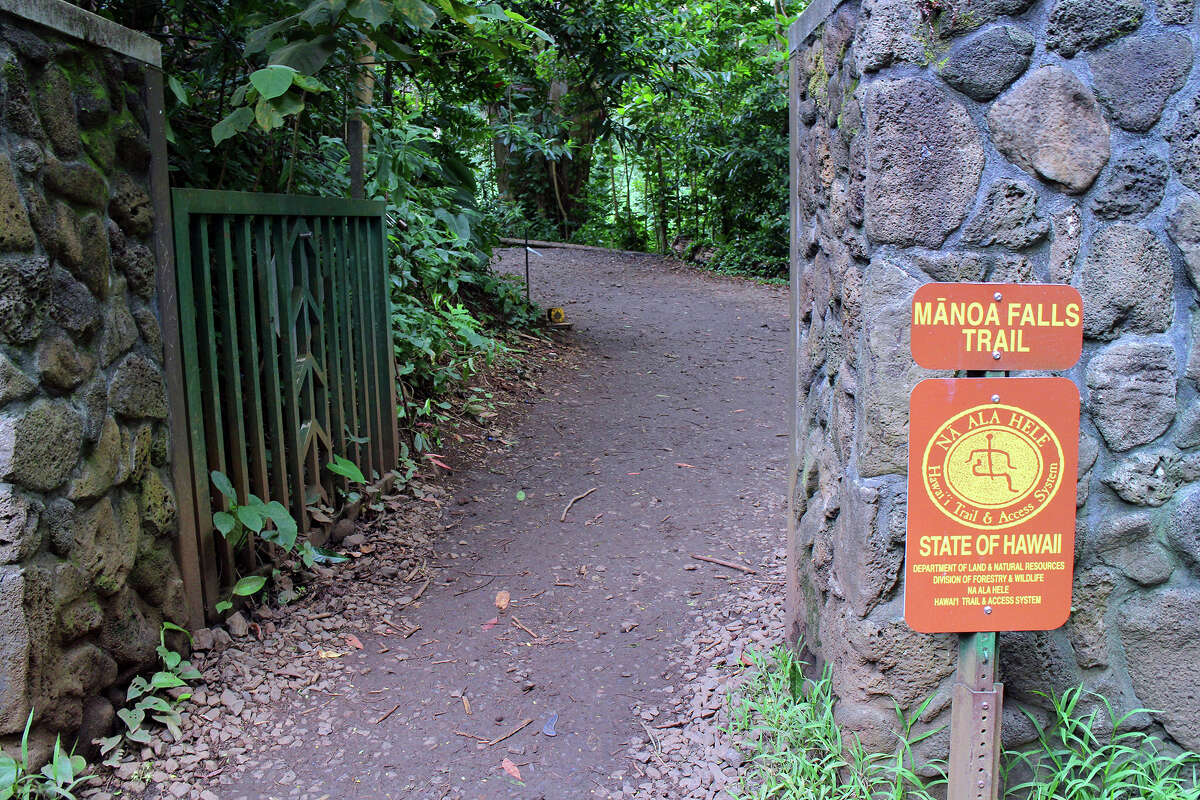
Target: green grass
801, 752
798, 751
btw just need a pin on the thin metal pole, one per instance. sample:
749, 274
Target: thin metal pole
527, 300
975, 713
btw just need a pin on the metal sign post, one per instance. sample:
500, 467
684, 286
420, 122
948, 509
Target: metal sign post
991, 491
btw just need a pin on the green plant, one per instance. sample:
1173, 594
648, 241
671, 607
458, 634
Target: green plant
153, 698
346, 468
1085, 755
1081, 754
801, 751
270, 522
57, 779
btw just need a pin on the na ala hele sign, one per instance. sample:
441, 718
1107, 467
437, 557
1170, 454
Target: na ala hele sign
990, 326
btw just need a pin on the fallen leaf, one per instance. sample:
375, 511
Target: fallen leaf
466, 705
354, 642
329, 654
685, 466
511, 768
491, 623
502, 601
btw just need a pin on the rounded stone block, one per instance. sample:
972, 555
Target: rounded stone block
1132, 392
15, 231
1184, 136
986, 64
137, 390
1161, 633
20, 514
39, 446
1183, 226
61, 364
14, 384
1076, 25
924, 160
1135, 76
1009, 217
1127, 283
1050, 125
24, 290
1134, 186
1182, 529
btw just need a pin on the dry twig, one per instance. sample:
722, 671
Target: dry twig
575, 500
723, 563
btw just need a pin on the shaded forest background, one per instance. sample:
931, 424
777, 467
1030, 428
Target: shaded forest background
634, 124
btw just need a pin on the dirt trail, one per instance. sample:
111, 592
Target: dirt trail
677, 417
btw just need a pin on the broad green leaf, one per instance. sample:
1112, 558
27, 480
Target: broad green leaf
249, 585
267, 116
139, 735
306, 56
250, 517
288, 104
347, 469
8, 772
224, 522
258, 40
372, 12
222, 606
272, 81
309, 83
223, 484
322, 11
417, 13
153, 703
177, 89
236, 122
132, 717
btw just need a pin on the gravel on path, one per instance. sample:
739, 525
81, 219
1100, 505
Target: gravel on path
605, 673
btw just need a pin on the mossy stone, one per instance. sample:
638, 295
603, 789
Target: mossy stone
56, 107
16, 233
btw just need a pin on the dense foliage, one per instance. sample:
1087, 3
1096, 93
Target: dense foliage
666, 127
273, 96
633, 123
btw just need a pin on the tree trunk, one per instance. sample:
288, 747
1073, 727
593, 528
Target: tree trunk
661, 211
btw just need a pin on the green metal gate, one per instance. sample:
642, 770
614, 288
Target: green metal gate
286, 352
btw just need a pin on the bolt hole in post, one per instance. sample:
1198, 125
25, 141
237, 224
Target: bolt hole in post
984, 479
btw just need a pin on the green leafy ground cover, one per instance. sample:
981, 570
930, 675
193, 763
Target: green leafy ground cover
799, 752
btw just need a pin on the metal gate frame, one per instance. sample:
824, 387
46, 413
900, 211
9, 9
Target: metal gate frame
299, 286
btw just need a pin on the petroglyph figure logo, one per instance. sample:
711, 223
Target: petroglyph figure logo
992, 467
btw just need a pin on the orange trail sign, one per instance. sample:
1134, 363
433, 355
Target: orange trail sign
991, 504
996, 326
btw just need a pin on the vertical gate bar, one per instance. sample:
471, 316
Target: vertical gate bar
235, 423
371, 384
208, 344
247, 323
331, 296
367, 379
308, 450
189, 362
291, 461
383, 328
350, 348
234, 411
320, 345
264, 275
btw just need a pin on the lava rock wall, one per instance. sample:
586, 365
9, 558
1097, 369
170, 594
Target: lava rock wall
88, 570
1008, 141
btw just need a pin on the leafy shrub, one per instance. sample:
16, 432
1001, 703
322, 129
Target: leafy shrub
801, 752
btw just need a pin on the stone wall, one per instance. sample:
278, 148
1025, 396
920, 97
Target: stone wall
999, 140
87, 513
